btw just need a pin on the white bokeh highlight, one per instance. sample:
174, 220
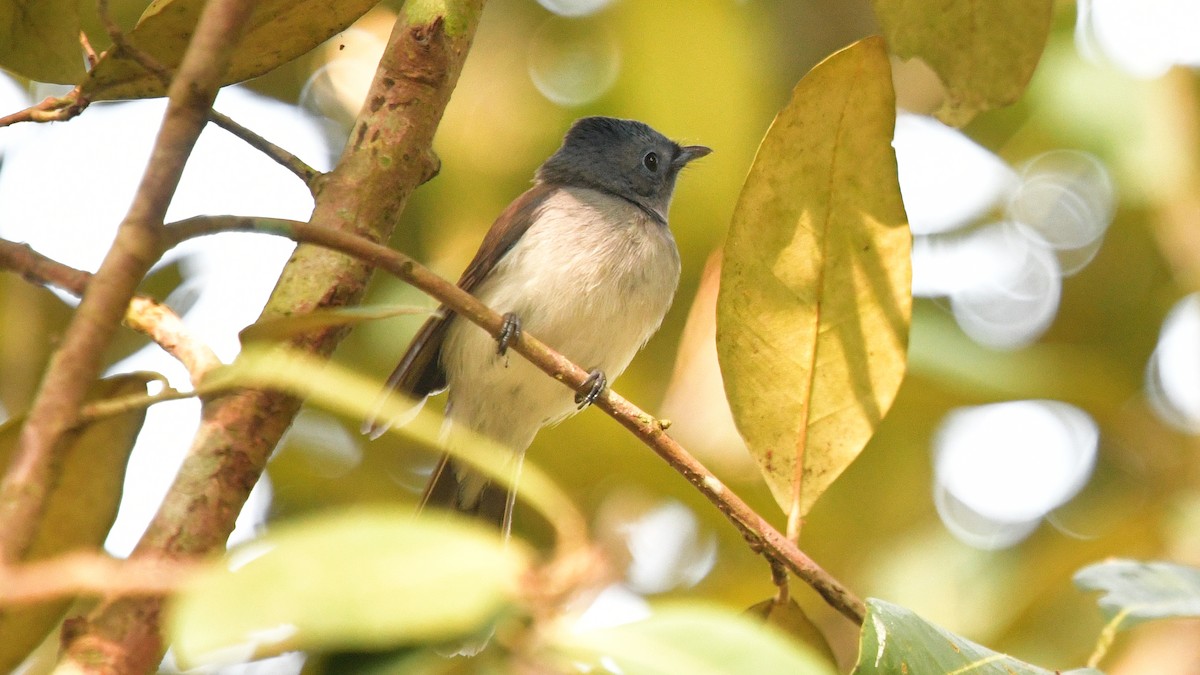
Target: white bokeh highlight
1144, 38
574, 8
996, 241
1001, 468
1173, 372
667, 549
947, 180
573, 62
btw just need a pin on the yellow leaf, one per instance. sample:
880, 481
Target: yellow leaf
278, 31
40, 39
815, 301
984, 52
80, 510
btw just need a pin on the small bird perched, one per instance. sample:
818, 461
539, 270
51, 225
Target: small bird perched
583, 260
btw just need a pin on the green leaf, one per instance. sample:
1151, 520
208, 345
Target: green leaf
336, 389
366, 578
895, 640
79, 511
278, 31
281, 328
1141, 591
691, 638
984, 52
39, 39
815, 301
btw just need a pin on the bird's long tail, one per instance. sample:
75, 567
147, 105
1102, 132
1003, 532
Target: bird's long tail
458, 487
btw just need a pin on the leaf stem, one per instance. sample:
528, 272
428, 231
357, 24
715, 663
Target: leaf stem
1107, 635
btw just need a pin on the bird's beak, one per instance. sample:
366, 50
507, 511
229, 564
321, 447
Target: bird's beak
688, 153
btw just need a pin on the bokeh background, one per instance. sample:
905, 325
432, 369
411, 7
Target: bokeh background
1051, 415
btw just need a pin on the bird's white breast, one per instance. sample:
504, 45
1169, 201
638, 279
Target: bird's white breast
592, 277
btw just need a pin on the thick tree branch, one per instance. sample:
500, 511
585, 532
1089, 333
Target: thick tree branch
145, 315
387, 157
760, 534
138, 245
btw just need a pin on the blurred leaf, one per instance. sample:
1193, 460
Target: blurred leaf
81, 508
367, 578
1141, 591
691, 638
815, 302
984, 52
278, 31
409, 661
281, 328
791, 619
39, 39
338, 390
895, 640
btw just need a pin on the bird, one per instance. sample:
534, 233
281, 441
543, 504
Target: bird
585, 261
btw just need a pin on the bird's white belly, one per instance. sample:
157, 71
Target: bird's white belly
595, 291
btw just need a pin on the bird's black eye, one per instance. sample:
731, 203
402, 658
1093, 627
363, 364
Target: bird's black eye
651, 161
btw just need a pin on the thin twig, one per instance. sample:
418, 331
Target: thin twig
117, 406
51, 109
145, 315
37, 463
88, 52
90, 574
126, 48
282, 157
774, 545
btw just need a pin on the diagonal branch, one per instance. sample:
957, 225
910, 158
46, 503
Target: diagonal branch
145, 315
138, 245
758, 532
282, 157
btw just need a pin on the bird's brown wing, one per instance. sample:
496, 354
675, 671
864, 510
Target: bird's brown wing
420, 373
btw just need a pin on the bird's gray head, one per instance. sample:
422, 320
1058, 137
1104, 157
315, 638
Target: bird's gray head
623, 158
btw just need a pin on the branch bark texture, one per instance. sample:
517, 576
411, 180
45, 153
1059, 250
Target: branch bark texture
387, 157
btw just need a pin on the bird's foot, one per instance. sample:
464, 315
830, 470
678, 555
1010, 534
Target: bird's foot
593, 386
510, 332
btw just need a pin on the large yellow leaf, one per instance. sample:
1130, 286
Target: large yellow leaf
80, 510
815, 301
39, 39
984, 52
278, 31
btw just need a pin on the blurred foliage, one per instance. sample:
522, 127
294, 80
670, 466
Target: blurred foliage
414, 581
81, 507
716, 72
